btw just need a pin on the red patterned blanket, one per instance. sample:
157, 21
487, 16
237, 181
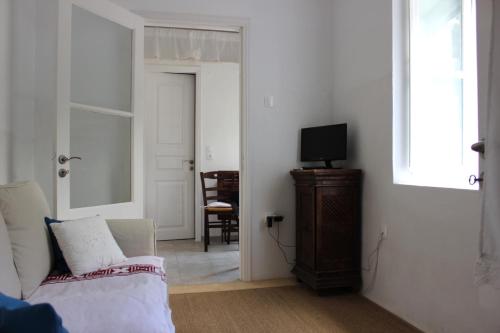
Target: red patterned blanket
105, 273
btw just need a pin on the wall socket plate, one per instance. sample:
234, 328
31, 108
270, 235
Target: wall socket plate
269, 219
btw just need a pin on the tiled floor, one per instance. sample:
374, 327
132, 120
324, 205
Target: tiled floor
187, 263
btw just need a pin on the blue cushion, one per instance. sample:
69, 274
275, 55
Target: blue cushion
60, 265
11, 303
19, 316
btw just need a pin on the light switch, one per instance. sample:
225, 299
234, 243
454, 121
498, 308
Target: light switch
269, 102
209, 153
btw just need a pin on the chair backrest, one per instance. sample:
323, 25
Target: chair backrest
228, 185
205, 189
225, 184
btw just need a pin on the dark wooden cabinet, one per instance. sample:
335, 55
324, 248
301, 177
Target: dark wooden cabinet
328, 224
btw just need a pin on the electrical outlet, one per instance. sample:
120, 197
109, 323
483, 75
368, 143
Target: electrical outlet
383, 231
273, 218
264, 220
269, 221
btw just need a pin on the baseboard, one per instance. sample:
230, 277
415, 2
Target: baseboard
229, 286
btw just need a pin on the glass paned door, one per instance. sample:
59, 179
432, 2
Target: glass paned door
99, 139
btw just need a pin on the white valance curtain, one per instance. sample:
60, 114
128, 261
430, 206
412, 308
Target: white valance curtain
489, 263
174, 44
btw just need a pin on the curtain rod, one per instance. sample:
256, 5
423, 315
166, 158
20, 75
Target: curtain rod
229, 30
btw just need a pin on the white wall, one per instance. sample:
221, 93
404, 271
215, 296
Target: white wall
46, 94
290, 58
5, 14
22, 120
32, 90
220, 90
426, 270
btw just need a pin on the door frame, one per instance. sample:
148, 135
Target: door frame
223, 24
196, 71
135, 207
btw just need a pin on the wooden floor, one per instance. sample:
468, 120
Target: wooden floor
284, 309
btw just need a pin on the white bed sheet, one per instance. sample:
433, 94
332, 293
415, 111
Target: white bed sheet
126, 300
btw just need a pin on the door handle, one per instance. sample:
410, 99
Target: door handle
189, 161
478, 147
62, 159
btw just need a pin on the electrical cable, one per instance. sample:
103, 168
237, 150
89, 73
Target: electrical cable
376, 252
281, 246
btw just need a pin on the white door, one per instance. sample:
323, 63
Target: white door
99, 116
169, 125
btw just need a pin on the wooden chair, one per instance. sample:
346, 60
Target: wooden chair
219, 191
228, 188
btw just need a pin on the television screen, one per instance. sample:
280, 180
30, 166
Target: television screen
324, 143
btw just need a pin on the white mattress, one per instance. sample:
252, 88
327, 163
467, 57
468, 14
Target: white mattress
130, 297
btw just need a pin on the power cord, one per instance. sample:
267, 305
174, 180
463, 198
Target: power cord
281, 245
375, 253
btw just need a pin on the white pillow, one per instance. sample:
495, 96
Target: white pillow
219, 204
87, 244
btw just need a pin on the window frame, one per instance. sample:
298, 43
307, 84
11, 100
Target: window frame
401, 89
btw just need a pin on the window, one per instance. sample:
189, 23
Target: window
435, 92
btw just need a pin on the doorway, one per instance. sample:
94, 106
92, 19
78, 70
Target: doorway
217, 112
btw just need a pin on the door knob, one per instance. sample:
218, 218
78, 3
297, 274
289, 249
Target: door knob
63, 159
63, 173
189, 161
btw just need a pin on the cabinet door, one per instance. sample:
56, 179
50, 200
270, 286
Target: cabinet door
337, 229
305, 226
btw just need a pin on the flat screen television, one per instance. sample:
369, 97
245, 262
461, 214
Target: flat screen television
324, 143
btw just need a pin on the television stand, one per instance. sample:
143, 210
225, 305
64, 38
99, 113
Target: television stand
328, 228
